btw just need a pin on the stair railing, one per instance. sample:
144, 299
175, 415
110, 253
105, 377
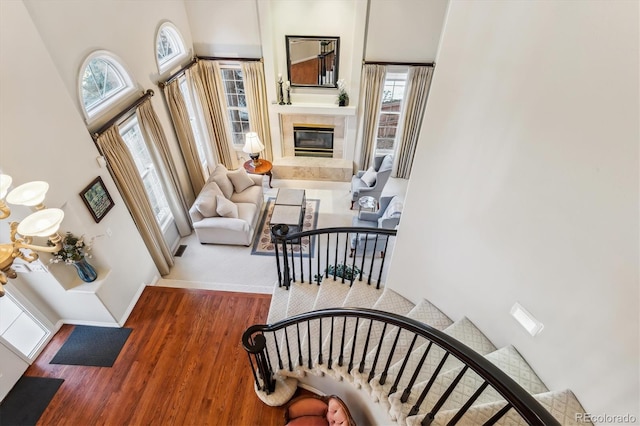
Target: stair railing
345, 253
288, 345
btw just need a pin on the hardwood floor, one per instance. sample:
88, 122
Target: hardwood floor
183, 364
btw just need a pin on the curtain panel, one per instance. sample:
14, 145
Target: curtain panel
257, 104
373, 76
418, 83
208, 85
184, 132
155, 136
126, 177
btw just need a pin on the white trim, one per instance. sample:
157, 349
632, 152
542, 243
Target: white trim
130, 88
175, 60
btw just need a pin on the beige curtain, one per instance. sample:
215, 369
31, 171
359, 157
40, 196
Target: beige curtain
154, 134
256, 94
184, 132
208, 85
132, 190
372, 83
418, 83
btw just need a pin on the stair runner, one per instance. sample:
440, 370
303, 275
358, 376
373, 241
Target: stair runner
304, 297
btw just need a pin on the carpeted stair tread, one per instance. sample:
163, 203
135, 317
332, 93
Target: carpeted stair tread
424, 312
278, 307
563, 406
362, 295
285, 389
301, 298
463, 330
507, 359
331, 294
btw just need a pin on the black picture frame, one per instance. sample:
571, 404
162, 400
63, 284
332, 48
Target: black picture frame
320, 52
97, 199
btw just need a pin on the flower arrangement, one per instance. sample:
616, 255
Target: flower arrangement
343, 96
74, 249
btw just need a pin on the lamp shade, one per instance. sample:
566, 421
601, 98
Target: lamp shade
5, 183
29, 194
252, 143
42, 223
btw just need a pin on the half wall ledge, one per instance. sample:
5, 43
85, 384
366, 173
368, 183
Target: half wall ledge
313, 168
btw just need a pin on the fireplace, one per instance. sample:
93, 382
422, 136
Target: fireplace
313, 140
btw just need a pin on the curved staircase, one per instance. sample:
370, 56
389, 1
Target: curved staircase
412, 378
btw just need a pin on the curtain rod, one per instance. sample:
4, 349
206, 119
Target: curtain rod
225, 58
146, 95
178, 73
411, 64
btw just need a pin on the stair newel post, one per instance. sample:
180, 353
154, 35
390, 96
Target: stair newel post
278, 235
256, 348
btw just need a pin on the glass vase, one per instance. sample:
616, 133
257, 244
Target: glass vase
86, 272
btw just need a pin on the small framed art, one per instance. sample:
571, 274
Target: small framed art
97, 199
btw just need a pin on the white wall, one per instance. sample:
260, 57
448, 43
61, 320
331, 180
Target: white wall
225, 28
43, 137
525, 188
404, 30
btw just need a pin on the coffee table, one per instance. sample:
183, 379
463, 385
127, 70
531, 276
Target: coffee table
289, 209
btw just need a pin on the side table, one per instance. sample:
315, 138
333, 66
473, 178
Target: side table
368, 203
263, 168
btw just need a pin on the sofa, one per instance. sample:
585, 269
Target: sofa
227, 209
371, 182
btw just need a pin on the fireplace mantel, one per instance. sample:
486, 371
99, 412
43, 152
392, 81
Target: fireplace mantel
314, 108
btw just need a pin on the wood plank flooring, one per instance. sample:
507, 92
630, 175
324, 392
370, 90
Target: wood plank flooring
183, 364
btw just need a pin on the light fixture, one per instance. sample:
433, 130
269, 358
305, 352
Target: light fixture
253, 147
526, 320
42, 223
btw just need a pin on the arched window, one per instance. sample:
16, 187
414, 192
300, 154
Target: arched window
103, 82
169, 47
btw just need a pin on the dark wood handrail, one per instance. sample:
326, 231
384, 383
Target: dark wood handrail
526, 405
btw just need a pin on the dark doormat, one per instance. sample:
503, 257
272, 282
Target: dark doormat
92, 346
25, 403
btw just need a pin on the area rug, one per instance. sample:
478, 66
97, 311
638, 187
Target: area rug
262, 244
92, 346
27, 400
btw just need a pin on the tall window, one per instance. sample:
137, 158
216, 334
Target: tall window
132, 135
103, 82
236, 102
185, 89
390, 112
169, 47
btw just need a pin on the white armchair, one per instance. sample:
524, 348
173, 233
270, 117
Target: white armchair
371, 182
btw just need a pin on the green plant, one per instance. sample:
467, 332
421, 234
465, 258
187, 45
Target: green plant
73, 249
341, 271
343, 96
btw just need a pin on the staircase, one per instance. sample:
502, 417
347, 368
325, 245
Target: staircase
375, 340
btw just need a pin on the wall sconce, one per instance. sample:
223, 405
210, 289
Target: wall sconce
43, 222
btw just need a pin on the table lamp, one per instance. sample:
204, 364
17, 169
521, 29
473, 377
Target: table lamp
253, 147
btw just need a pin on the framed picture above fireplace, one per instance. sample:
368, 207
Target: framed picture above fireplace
313, 61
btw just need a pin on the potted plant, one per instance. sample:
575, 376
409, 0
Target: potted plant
343, 96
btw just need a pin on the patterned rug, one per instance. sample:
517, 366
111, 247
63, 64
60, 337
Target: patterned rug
262, 244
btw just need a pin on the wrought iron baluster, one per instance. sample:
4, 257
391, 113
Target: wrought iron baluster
416, 372
300, 363
353, 344
427, 388
394, 388
344, 259
330, 362
468, 404
494, 419
373, 258
366, 348
448, 392
384, 256
319, 342
344, 330
383, 376
275, 339
372, 373
286, 339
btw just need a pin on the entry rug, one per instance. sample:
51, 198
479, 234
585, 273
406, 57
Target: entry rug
262, 244
92, 346
27, 400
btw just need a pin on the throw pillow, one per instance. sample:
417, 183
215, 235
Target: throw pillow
369, 177
226, 208
220, 177
240, 179
394, 209
206, 201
